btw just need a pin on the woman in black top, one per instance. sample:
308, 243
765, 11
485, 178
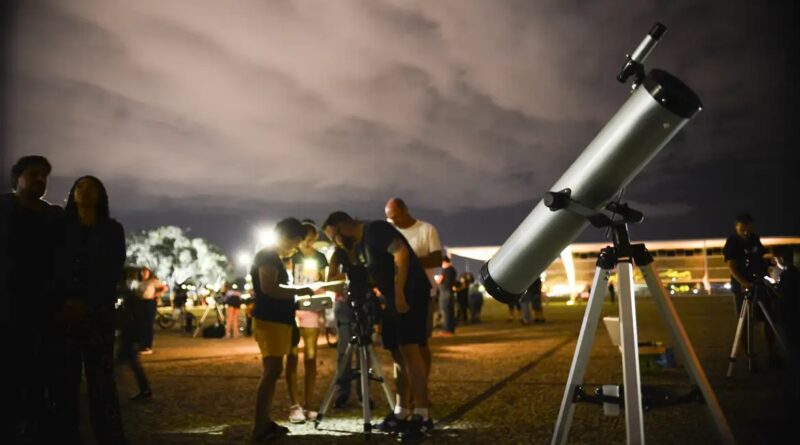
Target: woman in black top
90, 255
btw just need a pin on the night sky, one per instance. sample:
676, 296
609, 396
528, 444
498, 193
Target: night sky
223, 116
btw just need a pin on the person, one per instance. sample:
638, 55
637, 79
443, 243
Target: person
475, 302
512, 306
424, 241
130, 315
150, 291
91, 256
532, 299
745, 257
308, 266
447, 284
611, 292
273, 320
401, 280
789, 288
345, 317
233, 303
28, 229
462, 296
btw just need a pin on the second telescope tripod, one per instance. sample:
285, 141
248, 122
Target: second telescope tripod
753, 301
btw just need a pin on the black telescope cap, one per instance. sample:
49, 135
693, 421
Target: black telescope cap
672, 94
494, 290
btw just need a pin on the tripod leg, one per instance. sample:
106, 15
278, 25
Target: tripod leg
200, 323
630, 355
326, 403
579, 361
363, 359
679, 337
738, 337
376, 365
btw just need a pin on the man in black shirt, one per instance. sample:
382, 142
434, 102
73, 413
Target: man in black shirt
28, 235
400, 278
744, 255
746, 259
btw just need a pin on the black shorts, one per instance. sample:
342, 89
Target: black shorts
410, 328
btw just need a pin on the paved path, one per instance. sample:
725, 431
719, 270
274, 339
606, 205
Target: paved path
493, 383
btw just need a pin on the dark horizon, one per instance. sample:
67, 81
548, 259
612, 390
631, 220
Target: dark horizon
469, 113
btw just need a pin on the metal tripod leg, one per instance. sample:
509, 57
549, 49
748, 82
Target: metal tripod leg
738, 337
679, 337
363, 359
202, 320
579, 361
376, 365
334, 384
630, 355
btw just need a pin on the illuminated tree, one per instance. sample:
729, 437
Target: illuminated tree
176, 258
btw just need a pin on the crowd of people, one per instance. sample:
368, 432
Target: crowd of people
71, 261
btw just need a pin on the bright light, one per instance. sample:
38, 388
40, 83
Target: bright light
235, 286
310, 264
727, 286
243, 258
266, 238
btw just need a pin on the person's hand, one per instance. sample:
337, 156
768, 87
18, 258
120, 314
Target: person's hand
305, 291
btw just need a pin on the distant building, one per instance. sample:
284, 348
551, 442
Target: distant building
685, 266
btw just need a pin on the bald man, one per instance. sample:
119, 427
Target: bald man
424, 240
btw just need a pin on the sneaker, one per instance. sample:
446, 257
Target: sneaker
271, 433
296, 414
310, 415
416, 429
391, 424
143, 396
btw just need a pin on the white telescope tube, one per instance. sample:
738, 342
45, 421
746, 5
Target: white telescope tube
655, 112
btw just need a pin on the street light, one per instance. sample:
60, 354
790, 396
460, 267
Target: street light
265, 238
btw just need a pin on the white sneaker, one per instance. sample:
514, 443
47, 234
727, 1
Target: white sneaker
296, 414
311, 415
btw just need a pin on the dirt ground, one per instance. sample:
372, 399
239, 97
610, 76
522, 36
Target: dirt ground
496, 382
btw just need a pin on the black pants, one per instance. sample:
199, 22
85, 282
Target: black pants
86, 342
463, 306
129, 343
29, 413
148, 319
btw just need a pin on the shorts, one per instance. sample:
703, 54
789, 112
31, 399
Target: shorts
273, 339
410, 328
307, 319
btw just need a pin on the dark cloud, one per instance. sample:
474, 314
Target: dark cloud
206, 111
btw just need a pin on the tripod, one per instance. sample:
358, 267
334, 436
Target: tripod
623, 255
753, 297
212, 304
369, 368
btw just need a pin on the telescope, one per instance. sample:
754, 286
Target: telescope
660, 105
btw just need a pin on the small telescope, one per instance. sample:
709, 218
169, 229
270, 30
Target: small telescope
658, 108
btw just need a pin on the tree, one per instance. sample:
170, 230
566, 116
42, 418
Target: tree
176, 258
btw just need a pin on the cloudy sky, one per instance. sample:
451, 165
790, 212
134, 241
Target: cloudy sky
221, 116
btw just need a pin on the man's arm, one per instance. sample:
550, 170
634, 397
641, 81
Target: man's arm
401, 256
432, 260
735, 273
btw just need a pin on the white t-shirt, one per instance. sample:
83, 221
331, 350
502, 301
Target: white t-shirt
424, 240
